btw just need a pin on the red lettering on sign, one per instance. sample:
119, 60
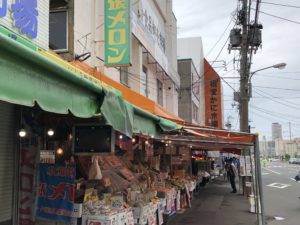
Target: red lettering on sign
27, 159
42, 190
26, 183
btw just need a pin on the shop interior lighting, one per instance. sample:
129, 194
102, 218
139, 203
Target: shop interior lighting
59, 151
167, 144
50, 132
22, 133
146, 142
152, 136
120, 136
133, 140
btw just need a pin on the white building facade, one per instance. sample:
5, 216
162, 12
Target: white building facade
287, 147
153, 69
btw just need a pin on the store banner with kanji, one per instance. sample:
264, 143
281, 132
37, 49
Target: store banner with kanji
56, 191
117, 33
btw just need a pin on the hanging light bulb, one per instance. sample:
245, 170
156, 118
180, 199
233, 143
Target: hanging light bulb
59, 151
152, 136
133, 140
50, 132
120, 136
146, 142
22, 133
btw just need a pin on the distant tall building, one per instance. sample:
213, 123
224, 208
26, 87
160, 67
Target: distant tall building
276, 131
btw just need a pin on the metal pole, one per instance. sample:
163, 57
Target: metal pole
290, 131
244, 75
256, 193
93, 33
259, 180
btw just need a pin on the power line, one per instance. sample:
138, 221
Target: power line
276, 88
276, 113
278, 17
277, 77
292, 103
222, 35
296, 123
279, 101
284, 5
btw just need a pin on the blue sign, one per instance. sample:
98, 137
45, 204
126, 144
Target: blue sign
24, 14
56, 192
3, 8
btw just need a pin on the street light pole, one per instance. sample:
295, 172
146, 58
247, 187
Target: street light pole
276, 66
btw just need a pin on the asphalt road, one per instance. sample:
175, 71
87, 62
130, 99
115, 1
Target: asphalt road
281, 193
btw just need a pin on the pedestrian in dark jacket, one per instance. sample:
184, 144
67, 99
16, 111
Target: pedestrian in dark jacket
231, 174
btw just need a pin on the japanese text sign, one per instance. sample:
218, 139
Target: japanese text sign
28, 19
24, 14
56, 192
117, 33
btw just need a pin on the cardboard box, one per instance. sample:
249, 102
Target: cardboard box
77, 211
100, 220
179, 173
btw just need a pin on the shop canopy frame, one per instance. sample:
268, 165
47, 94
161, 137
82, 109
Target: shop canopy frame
209, 139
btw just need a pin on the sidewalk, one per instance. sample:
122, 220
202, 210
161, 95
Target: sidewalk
215, 205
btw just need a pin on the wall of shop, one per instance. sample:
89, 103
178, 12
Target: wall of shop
8, 162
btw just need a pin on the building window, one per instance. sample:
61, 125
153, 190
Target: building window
195, 112
124, 75
144, 82
160, 93
58, 30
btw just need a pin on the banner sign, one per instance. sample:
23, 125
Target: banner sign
29, 19
117, 33
27, 181
56, 192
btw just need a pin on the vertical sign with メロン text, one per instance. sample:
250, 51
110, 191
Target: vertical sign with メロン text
117, 33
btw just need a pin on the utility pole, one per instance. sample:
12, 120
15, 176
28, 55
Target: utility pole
290, 130
244, 71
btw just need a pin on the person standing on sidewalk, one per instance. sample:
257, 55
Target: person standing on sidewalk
231, 174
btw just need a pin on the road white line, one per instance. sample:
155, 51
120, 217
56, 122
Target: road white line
265, 173
272, 171
278, 185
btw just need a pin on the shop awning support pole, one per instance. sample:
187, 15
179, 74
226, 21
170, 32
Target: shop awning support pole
259, 180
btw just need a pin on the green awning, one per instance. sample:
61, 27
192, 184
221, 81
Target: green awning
142, 125
28, 77
117, 112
